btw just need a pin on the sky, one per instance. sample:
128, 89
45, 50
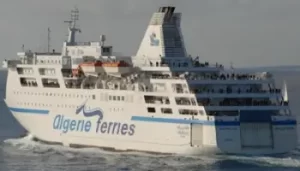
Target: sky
247, 33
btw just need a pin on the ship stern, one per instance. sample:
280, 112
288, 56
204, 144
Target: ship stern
263, 134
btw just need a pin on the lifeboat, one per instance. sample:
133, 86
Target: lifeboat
121, 67
116, 67
91, 67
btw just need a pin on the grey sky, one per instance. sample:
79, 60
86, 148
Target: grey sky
246, 32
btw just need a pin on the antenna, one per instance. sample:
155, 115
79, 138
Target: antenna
49, 39
102, 39
74, 18
231, 65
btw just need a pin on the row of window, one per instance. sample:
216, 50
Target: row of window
44, 61
116, 98
47, 105
116, 109
103, 97
181, 111
150, 109
27, 71
56, 94
30, 71
47, 71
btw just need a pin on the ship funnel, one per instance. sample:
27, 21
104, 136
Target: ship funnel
163, 37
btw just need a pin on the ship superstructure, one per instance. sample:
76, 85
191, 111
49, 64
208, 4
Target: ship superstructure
160, 100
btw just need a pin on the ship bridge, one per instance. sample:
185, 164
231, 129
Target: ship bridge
163, 37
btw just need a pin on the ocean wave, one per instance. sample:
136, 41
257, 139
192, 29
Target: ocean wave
59, 155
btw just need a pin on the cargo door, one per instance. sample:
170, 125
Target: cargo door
196, 134
256, 135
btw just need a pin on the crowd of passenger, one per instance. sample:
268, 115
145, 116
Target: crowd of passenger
76, 84
51, 84
182, 64
25, 83
230, 90
215, 76
236, 102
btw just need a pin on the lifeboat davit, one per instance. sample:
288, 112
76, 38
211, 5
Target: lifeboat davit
113, 67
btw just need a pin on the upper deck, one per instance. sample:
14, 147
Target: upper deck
161, 70
161, 55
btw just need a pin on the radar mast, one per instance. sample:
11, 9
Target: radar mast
72, 26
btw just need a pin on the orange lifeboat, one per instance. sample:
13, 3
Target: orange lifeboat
115, 64
91, 67
121, 67
91, 64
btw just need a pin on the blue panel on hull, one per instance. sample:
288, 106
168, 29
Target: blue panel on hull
287, 122
33, 111
255, 116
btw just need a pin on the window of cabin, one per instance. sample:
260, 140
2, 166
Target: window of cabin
151, 109
166, 110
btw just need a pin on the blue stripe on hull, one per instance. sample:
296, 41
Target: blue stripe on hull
162, 120
184, 121
204, 122
32, 111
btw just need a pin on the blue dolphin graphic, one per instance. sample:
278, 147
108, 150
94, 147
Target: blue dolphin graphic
90, 113
153, 40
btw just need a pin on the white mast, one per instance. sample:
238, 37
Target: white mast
48, 39
284, 93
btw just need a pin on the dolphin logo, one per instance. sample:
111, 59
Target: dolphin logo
90, 113
153, 40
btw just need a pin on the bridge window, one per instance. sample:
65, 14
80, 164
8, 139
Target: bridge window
106, 50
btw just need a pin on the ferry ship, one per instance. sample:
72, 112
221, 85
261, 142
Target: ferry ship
160, 100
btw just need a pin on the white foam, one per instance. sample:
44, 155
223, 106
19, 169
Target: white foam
270, 161
147, 160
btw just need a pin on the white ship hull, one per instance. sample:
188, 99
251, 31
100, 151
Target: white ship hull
164, 101
148, 134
